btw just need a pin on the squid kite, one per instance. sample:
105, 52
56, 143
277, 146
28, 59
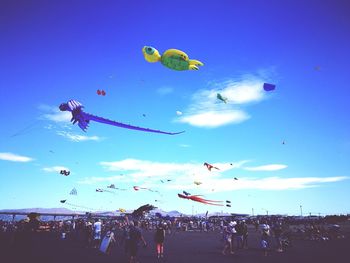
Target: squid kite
83, 119
199, 199
210, 166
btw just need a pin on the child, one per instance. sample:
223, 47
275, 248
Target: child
159, 239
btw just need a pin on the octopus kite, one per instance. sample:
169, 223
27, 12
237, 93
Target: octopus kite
199, 199
83, 118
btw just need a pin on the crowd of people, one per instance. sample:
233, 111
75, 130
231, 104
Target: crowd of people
275, 233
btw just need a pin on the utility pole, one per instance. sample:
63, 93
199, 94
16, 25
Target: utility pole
301, 210
252, 211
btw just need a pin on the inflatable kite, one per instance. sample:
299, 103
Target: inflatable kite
199, 199
142, 210
172, 58
222, 98
269, 87
210, 166
83, 118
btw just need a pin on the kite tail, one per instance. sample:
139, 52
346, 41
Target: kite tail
91, 117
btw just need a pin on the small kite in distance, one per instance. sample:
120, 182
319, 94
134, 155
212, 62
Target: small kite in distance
63, 201
269, 87
65, 172
137, 188
101, 92
222, 98
163, 181
73, 192
197, 183
210, 166
235, 178
186, 193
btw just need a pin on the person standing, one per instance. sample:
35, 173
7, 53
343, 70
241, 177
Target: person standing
245, 234
159, 239
97, 233
265, 238
135, 238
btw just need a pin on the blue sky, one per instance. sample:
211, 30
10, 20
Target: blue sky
54, 51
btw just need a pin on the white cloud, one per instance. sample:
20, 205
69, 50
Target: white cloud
54, 114
54, 169
14, 157
207, 111
78, 138
269, 183
165, 90
184, 145
268, 167
98, 180
183, 176
212, 119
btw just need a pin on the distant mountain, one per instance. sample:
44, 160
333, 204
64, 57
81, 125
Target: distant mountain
173, 213
42, 210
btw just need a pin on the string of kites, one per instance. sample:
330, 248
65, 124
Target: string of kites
185, 195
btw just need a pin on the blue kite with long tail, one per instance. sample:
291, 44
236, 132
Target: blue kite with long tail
83, 119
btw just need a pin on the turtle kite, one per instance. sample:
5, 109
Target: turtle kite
172, 58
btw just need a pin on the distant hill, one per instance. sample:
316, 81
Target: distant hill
42, 210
